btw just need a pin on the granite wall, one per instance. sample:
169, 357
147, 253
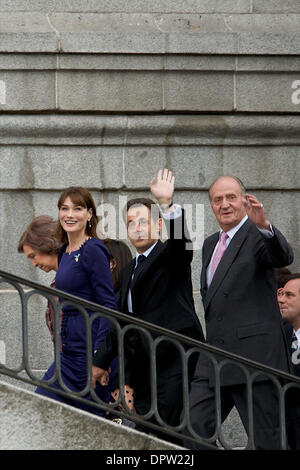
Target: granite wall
103, 94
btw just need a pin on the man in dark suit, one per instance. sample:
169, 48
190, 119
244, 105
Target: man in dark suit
238, 288
289, 303
159, 291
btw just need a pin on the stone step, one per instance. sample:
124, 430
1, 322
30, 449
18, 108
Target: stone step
33, 422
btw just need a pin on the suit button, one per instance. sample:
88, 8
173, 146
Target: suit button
219, 318
219, 341
225, 294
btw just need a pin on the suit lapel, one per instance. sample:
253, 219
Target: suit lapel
126, 278
211, 243
148, 261
128, 271
227, 260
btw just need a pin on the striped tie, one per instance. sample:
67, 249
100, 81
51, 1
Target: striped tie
218, 254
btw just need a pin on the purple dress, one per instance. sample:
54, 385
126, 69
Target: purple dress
86, 274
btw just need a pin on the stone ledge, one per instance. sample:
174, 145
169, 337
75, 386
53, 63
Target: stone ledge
181, 43
149, 91
60, 22
28, 42
145, 33
180, 6
33, 422
148, 62
134, 130
114, 168
274, 6
162, 23
150, 43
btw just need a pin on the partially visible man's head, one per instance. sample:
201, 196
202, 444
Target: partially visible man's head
227, 201
289, 300
143, 222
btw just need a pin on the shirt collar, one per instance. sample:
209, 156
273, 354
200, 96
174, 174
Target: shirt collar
146, 253
233, 230
297, 333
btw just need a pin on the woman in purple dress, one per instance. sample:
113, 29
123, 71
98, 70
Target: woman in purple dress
83, 271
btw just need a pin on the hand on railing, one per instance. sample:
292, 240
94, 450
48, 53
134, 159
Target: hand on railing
100, 375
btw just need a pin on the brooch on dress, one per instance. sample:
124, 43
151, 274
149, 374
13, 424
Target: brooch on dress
77, 257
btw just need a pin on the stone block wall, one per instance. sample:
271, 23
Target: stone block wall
103, 94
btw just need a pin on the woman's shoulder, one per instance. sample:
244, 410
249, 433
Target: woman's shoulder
93, 244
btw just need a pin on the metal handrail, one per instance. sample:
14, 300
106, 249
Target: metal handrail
282, 380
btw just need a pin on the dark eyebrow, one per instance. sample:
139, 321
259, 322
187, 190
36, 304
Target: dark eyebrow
75, 206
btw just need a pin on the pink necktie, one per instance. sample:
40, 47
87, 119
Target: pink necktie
218, 254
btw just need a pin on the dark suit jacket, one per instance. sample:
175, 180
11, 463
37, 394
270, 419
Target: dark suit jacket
161, 294
241, 310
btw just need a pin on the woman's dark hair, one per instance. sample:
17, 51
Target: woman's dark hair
121, 254
40, 236
80, 197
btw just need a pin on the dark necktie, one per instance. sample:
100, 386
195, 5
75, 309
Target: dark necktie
140, 260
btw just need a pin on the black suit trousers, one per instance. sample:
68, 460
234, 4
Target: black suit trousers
266, 427
169, 405
293, 403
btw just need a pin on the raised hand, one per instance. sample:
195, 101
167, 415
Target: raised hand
162, 187
256, 211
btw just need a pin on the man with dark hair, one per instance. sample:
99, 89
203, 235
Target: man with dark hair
289, 303
238, 287
156, 287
